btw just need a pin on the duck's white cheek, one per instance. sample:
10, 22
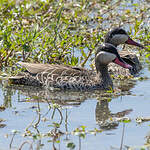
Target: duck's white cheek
119, 39
106, 57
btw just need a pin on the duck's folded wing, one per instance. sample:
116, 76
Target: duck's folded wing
34, 68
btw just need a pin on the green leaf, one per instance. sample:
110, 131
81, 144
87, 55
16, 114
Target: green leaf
82, 135
74, 60
83, 53
71, 145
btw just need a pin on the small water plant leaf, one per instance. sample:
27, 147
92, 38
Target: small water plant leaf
82, 135
71, 145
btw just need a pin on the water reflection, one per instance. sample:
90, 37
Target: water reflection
107, 120
104, 118
74, 98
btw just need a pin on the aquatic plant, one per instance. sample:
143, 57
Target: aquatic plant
63, 31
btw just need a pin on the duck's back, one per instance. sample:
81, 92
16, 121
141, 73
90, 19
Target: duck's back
57, 76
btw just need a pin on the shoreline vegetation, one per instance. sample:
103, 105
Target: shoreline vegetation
55, 31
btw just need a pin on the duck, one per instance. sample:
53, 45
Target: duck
68, 77
119, 36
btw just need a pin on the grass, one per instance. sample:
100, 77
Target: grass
50, 31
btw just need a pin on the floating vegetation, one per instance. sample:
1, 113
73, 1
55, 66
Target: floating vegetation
142, 119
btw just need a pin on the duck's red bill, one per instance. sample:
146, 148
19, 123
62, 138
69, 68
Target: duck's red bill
120, 63
132, 42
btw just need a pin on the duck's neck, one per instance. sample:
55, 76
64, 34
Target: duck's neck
113, 44
104, 77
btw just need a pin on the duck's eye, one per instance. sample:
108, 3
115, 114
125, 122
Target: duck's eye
122, 32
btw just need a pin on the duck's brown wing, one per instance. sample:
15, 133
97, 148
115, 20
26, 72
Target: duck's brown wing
53, 76
63, 74
34, 68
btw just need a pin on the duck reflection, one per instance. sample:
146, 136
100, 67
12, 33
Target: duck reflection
104, 118
64, 98
107, 120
